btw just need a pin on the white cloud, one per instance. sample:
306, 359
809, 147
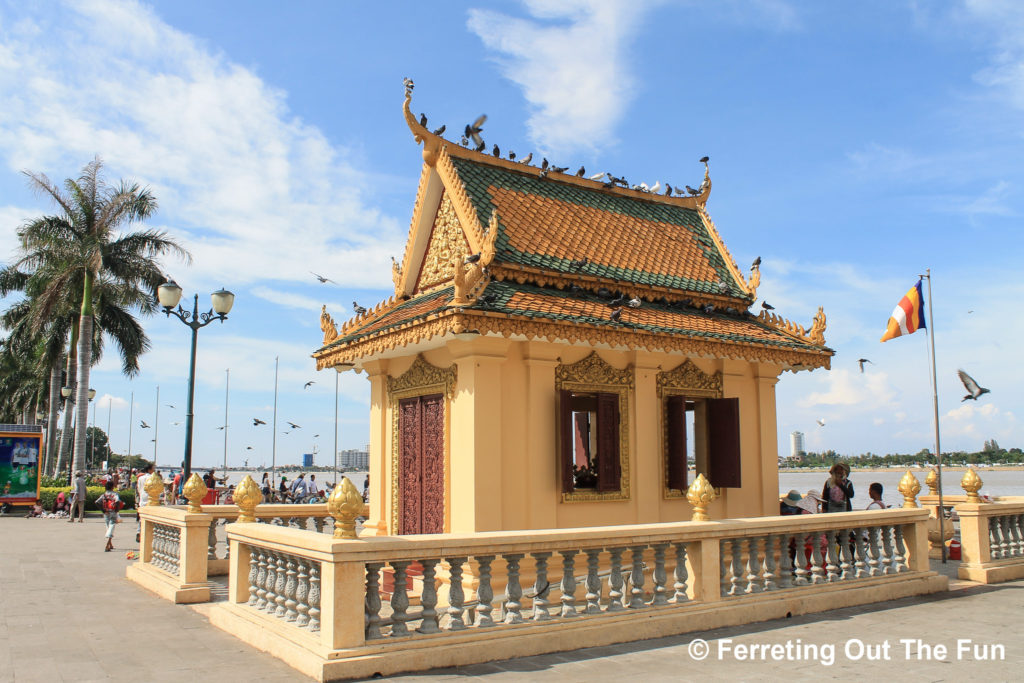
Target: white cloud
848, 388
236, 173
110, 401
570, 59
292, 300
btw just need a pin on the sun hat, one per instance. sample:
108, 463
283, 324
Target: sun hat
791, 498
815, 495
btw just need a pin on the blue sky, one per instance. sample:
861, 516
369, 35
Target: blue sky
852, 146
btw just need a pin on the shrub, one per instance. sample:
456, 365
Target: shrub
48, 496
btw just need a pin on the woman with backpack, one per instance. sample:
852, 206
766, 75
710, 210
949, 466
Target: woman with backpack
110, 503
838, 491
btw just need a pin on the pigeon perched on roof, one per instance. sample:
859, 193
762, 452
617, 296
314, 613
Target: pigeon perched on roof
861, 362
511, 155
668, 190
359, 310
767, 306
974, 390
616, 315
472, 258
496, 151
423, 120
634, 302
579, 173
656, 186
527, 159
705, 159
692, 191
578, 263
558, 169
756, 263
597, 176
440, 131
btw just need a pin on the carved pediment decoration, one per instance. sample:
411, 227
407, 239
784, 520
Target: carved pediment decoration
690, 380
422, 374
327, 324
447, 247
593, 370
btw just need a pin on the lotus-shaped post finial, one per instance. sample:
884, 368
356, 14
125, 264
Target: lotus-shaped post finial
932, 481
195, 490
154, 488
345, 504
971, 483
700, 494
247, 496
909, 487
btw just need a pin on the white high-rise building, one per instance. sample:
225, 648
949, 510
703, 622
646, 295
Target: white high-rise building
796, 444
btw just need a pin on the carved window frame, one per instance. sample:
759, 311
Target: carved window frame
689, 381
421, 379
594, 374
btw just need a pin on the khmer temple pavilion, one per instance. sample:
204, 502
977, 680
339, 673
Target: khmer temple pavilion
557, 349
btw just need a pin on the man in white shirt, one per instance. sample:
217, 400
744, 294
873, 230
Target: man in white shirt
141, 497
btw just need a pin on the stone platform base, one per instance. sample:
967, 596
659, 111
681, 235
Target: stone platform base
165, 585
992, 572
304, 651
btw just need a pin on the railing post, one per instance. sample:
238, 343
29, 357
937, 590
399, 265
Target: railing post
194, 545
915, 537
974, 538
146, 539
238, 573
342, 597
703, 564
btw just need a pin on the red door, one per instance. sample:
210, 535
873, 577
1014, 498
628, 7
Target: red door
421, 465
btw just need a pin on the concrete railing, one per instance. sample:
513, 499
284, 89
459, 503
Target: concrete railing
992, 541
339, 608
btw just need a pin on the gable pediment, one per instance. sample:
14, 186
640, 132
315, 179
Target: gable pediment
446, 247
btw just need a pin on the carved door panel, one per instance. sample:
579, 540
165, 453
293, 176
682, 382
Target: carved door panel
421, 464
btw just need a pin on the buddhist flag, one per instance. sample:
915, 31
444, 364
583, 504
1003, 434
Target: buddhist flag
908, 316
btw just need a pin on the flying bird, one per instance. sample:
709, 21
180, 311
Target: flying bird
323, 280
170, 406
767, 306
293, 425
307, 384
973, 389
821, 422
481, 146
256, 422
221, 428
143, 424
861, 362
175, 424
473, 131
440, 131
316, 436
248, 448
359, 310
287, 432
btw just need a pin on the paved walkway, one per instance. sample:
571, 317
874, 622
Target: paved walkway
68, 614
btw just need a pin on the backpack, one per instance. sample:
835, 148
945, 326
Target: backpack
110, 504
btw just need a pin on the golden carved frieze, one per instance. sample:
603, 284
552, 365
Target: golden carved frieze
690, 381
422, 374
456, 190
593, 370
447, 247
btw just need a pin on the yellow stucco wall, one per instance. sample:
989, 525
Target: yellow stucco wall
502, 463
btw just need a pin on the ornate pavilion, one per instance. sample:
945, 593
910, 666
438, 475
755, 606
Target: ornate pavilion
561, 352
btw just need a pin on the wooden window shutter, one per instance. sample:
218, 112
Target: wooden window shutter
723, 422
608, 467
565, 441
675, 423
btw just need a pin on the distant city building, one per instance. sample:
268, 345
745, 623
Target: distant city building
796, 444
355, 457
307, 459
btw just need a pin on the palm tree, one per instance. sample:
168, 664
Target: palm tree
85, 244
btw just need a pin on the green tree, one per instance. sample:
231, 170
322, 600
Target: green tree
84, 245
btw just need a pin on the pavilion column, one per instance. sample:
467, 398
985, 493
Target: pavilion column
646, 451
541, 456
380, 453
766, 377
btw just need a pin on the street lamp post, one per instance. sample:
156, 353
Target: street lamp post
169, 294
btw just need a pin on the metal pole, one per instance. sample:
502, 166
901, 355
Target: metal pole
131, 427
156, 428
336, 375
935, 408
227, 389
187, 467
92, 439
109, 451
273, 446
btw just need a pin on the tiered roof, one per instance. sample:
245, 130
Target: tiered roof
553, 251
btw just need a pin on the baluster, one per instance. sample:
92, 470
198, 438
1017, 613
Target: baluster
860, 538
227, 543
873, 551
290, 588
800, 559
1018, 533
371, 605
281, 587
832, 556
484, 592
318, 523
993, 538
271, 592
568, 586
429, 598
723, 567
753, 567
211, 541
314, 596
302, 593
680, 574
768, 569
541, 587
786, 567
737, 567
658, 576
1004, 531
513, 591
303, 523
253, 570
261, 578
456, 596
155, 547
900, 559
817, 562
846, 555
887, 549
400, 600
159, 546
636, 578
615, 581
593, 581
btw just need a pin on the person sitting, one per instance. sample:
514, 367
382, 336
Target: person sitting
61, 505
875, 491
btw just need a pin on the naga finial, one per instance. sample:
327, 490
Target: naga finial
817, 331
327, 324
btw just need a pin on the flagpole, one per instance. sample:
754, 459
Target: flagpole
273, 447
935, 408
227, 389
